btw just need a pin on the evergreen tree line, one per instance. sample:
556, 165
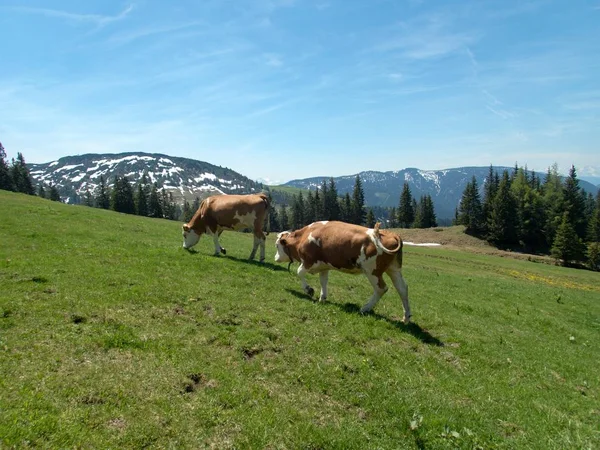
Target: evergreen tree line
143, 199
15, 177
325, 204
549, 215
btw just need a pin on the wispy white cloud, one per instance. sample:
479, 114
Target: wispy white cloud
127, 37
76, 18
273, 60
425, 37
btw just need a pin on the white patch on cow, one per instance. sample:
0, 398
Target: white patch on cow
314, 240
281, 255
245, 220
320, 266
322, 222
190, 238
371, 234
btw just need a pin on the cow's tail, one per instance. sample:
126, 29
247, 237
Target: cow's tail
377, 240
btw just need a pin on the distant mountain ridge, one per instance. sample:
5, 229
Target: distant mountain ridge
444, 186
184, 177
190, 178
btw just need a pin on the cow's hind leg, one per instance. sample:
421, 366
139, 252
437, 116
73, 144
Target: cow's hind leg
379, 288
305, 286
259, 240
402, 288
323, 277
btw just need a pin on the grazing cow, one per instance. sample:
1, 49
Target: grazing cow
324, 246
228, 212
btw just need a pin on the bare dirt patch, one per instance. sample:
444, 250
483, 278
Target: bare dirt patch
455, 238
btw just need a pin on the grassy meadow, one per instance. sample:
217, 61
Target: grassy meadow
113, 336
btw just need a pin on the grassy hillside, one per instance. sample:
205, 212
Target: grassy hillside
113, 336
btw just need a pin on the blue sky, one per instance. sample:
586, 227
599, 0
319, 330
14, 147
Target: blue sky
283, 89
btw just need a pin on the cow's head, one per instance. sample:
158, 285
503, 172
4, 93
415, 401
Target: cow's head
281, 243
190, 237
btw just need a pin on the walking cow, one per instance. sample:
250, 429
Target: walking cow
324, 246
228, 212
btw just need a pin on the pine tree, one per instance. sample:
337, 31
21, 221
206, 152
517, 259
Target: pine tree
393, 220
429, 219
186, 212
575, 203
141, 201
406, 212
310, 208
168, 205
490, 188
284, 220
358, 203
6, 183
594, 225
54, 194
154, 206
41, 191
347, 212
319, 215
88, 199
325, 206
370, 218
501, 227
567, 246
195, 205
553, 201
469, 210
529, 212
298, 215
122, 196
419, 212
103, 195
20, 176
273, 215
334, 207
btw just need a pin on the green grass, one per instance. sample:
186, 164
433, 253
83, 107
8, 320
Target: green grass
113, 336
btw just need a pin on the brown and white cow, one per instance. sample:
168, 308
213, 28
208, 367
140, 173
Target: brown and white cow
228, 212
324, 246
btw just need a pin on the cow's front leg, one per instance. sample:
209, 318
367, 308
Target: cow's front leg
218, 248
379, 288
302, 275
323, 277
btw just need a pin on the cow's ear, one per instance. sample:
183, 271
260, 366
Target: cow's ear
186, 227
283, 242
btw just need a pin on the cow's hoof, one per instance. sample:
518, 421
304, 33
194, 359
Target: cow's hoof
322, 299
406, 319
309, 291
223, 251
365, 310
262, 260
